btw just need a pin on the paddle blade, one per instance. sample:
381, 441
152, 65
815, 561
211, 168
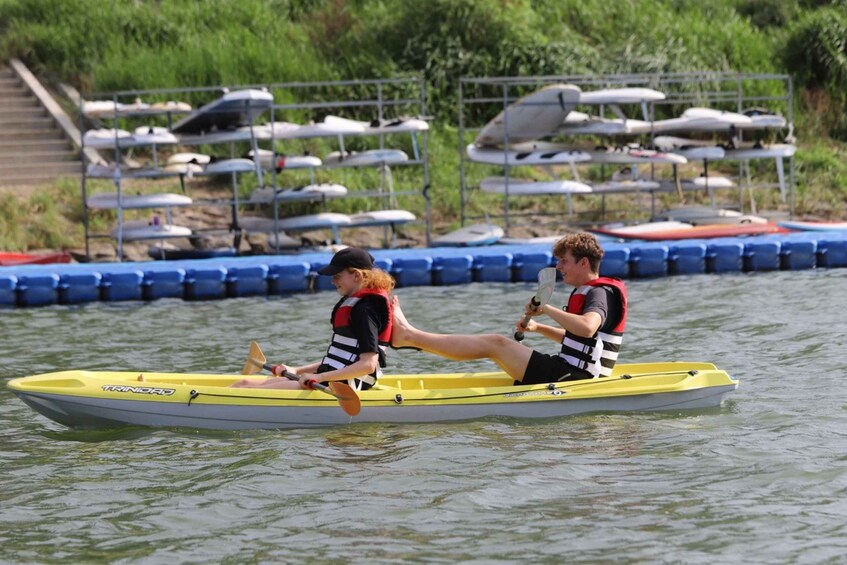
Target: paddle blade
546, 285
255, 360
347, 397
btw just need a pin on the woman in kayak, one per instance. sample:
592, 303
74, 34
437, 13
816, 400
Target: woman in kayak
361, 323
590, 328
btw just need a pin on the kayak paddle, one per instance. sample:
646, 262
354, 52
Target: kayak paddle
546, 284
347, 397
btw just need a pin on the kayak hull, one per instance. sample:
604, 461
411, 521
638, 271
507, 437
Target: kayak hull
702, 231
8, 259
83, 399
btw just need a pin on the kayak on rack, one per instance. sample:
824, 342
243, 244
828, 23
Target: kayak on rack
90, 399
9, 258
799, 225
673, 230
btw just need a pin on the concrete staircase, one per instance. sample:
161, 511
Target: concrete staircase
33, 148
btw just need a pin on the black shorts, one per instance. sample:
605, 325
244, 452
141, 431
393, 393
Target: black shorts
543, 368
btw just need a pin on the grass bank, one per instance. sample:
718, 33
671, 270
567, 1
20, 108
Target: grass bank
171, 43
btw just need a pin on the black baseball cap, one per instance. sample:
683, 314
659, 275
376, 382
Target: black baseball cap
348, 258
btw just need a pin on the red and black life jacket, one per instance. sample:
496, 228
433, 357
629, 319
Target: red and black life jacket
596, 354
344, 349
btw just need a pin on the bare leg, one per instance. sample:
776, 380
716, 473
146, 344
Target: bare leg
273, 382
512, 356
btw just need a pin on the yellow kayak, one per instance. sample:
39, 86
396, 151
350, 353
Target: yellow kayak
90, 399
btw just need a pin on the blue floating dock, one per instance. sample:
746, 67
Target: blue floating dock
274, 275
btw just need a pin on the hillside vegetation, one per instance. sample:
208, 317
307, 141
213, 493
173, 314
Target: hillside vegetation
171, 43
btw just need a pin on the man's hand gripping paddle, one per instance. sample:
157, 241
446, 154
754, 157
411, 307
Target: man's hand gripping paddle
546, 284
347, 397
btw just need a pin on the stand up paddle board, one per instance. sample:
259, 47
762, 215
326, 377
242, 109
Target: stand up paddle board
230, 166
109, 200
308, 192
370, 158
626, 95
315, 222
525, 155
379, 127
184, 158
531, 117
798, 225
143, 229
231, 110
144, 136
266, 158
523, 187
381, 218
470, 236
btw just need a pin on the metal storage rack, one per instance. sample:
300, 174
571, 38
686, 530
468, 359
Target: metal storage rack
360, 99
480, 99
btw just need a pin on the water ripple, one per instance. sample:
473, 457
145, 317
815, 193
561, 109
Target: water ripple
762, 479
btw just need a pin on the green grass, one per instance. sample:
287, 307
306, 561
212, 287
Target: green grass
146, 44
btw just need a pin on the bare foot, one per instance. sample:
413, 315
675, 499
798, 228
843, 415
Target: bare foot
402, 327
140, 378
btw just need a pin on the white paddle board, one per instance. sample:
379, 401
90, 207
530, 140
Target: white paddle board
763, 119
578, 123
97, 171
104, 138
109, 200
288, 130
699, 215
495, 156
315, 221
812, 226
531, 117
381, 218
621, 96
185, 157
221, 136
229, 166
377, 127
286, 161
142, 136
617, 186
372, 157
633, 155
188, 169
470, 236
102, 108
524, 187
783, 150
691, 149
144, 229
308, 192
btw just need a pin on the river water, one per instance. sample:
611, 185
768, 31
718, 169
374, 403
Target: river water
763, 479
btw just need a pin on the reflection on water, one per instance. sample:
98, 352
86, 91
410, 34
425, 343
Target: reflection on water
762, 478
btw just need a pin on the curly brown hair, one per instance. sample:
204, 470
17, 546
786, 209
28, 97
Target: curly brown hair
580, 245
376, 279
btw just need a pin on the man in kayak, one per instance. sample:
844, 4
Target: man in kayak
361, 323
590, 328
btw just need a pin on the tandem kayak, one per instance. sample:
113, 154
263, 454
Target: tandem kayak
89, 399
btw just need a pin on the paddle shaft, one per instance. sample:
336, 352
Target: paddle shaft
293, 377
525, 320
